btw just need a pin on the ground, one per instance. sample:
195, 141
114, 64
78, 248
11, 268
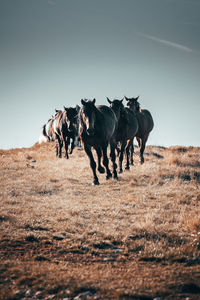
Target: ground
135, 238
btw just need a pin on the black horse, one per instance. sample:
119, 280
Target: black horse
96, 128
145, 125
64, 129
72, 124
127, 127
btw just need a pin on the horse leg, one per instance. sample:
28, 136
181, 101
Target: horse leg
66, 141
72, 145
118, 150
132, 151
143, 144
129, 145
113, 158
92, 163
105, 161
121, 156
58, 146
100, 168
139, 141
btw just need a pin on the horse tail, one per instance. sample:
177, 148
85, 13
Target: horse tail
44, 132
43, 136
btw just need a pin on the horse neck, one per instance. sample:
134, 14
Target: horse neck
98, 115
120, 116
63, 117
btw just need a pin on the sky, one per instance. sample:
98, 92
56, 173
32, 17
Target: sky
56, 52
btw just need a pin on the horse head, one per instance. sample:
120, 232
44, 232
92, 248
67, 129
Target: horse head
87, 114
71, 117
133, 103
117, 106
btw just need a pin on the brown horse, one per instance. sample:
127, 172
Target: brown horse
47, 130
96, 128
127, 127
64, 129
145, 125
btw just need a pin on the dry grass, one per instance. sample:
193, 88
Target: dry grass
135, 238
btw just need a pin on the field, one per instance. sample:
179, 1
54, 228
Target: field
135, 238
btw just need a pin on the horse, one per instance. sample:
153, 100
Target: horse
96, 128
77, 141
63, 128
145, 125
73, 124
127, 127
47, 130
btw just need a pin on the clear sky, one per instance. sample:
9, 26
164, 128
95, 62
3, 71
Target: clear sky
55, 52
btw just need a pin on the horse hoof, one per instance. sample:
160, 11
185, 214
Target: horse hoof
95, 182
116, 177
108, 176
127, 168
121, 171
101, 170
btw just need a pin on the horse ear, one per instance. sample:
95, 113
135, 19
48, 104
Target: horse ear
122, 100
109, 100
83, 102
93, 101
126, 98
65, 108
137, 97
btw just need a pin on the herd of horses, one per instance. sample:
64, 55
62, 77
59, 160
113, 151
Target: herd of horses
100, 126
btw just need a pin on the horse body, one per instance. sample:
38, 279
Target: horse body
47, 134
96, 129
47, 129
64, 130
127, 127
145, 125
72, 122
145, 122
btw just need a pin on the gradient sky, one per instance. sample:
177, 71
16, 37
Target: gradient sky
56, 52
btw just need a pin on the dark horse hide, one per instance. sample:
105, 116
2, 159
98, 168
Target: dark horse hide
96, 128
64, 128
127, 127
145, 125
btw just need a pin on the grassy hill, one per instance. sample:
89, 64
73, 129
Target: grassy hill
135, 238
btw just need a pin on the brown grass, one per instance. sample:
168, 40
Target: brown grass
135, 238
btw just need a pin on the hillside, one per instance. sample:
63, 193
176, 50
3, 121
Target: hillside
135, 238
